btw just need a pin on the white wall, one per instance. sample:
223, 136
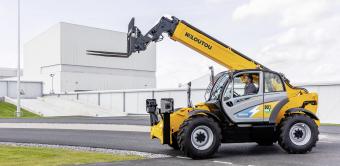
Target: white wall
61, 50
43, 50
76, 39
31, 89
94, 81
328, 106
9, 73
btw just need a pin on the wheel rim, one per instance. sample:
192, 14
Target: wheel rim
202, 137
300, 134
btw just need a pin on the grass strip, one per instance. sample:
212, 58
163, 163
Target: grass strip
7, 111
21, 155
330, 124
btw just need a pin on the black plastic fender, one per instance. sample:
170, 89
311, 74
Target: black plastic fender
276, 110
311, 114
193, 112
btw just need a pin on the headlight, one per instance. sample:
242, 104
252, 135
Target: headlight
151, 105
167, 105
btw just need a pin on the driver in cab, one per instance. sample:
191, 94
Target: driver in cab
249, 88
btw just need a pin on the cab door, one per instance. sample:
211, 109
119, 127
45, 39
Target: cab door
243, 108
274, 92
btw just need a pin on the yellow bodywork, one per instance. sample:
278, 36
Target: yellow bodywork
218, 53
227, 58
176, 119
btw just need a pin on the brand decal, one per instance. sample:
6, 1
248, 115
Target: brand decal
267, 109
199, 41
243, 114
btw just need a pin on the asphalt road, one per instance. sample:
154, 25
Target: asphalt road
130, 120
325, 153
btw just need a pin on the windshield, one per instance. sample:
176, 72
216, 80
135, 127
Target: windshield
218, 87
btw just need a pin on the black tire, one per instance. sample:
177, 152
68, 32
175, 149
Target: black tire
185, 133
285, 140
265, 143
174, 144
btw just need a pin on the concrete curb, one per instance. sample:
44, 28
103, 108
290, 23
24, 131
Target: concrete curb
68, 108
94, 105
29, 109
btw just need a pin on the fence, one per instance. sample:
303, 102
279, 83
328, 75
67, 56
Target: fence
30, 89
133, 101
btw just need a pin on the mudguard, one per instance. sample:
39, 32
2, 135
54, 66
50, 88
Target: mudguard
311, 114
276, 110
193, 112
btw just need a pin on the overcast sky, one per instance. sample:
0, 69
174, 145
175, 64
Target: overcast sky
299, 38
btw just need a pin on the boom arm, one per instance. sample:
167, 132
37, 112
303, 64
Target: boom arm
195, 39
188, 35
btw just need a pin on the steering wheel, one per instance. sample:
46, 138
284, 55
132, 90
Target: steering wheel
236, 94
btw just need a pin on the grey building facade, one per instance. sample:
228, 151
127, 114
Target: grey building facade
61, 50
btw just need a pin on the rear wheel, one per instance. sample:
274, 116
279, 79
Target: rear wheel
199, 137
298, 133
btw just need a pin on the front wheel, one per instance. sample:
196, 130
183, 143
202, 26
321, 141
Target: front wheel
199, 137
174, 144
298, 133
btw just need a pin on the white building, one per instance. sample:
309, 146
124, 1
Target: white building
61, 50
6, 73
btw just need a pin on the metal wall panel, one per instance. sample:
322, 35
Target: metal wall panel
76, 39
73, 96
329, 104
63, 48
91, 81
117, 101
102, 70
3, 88
9, 72
31, 89
328, 112
43, 50
83, 97
92, 98
141, 101
161, 94
105, 100
198, 96
180, 98
50, 69
131, 102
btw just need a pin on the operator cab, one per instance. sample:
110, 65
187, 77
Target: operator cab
230, 103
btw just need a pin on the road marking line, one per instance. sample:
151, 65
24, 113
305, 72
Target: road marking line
184, 157
222, 162
325, 142
106, 127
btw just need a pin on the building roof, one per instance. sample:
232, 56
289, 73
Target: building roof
9, 72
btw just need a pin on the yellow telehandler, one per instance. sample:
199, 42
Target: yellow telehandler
269, 110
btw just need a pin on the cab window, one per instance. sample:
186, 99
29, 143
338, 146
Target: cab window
272, 82
218, 87
228, 92
240, 84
